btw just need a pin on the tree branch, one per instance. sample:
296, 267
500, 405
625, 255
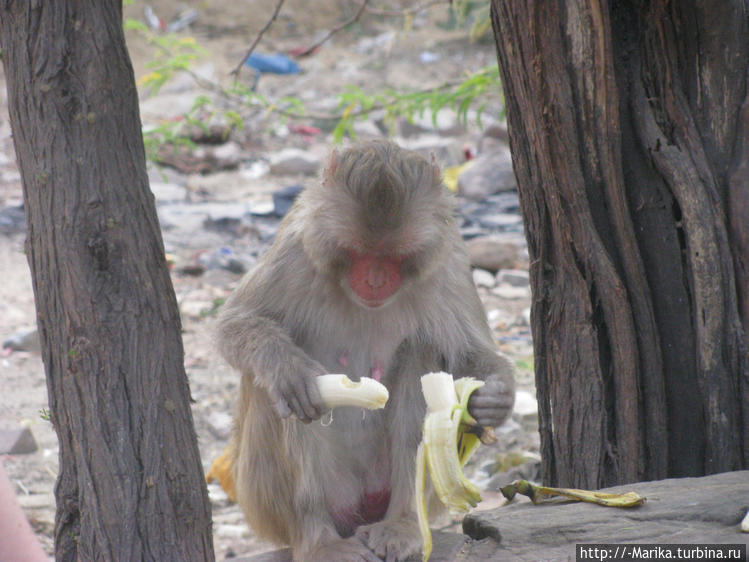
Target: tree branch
407, 11
335, 30
260, 34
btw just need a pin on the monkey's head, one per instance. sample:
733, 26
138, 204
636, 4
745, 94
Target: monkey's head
379, 222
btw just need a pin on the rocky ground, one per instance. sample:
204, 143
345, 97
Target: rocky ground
219, 203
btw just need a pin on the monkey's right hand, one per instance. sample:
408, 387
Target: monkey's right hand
294, 390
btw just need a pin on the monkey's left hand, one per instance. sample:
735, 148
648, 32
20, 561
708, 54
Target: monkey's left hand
492, 404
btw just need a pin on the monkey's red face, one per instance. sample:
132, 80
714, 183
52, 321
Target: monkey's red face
374, 279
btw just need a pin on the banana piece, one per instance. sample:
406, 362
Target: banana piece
339, 390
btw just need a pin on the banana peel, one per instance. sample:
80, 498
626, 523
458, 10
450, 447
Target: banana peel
538, 494
450, 436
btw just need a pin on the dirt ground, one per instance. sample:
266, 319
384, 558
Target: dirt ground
225, 30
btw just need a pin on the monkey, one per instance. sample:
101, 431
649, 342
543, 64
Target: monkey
368, 276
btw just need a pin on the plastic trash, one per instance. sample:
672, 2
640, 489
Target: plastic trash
273, 64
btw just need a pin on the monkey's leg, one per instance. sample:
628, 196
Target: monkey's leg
326, 500
288, 485
397, 536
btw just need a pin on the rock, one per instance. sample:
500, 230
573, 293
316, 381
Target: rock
203, 159
525, 404
500, 319
526, 316
446, 150
367, 129
27, 340
232, 531
677, 511
493, 253
168, 192
490, 173
195, 308
223, 258
494, 137
445, 123
514, 277
447, 547
255, 170
12, 219
17, 441
228, 155
505, 291
220, 424
162, 106
293, 161
483, 278
284, 198
501, 221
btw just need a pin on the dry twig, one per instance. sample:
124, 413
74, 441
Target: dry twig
336, 29
407, 11
267, 25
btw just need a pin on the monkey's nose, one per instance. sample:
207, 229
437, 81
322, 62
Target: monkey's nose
376, 277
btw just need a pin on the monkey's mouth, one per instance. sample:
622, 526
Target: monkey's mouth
368, 303
374, 280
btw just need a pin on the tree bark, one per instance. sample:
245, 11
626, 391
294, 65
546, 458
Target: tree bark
628, 125
130, 485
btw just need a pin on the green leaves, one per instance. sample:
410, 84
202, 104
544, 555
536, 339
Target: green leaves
460, 96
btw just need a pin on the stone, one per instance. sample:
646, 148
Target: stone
447, 151
293, 161
501, 221
483, 278
220, 424
228, 155
677, 511
493, 253
490, 173
508, 292
12, 219
17, 441
168, 192
27, 340
525, 404
514, 277
446, 547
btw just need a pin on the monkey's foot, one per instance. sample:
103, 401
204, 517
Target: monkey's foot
393, 540
342, 550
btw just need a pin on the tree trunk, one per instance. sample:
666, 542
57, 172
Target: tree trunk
628, 125
130, 485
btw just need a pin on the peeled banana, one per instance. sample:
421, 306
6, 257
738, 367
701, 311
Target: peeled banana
446, 446
339, 390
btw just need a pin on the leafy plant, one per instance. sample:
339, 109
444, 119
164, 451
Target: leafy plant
459, 96
240, 102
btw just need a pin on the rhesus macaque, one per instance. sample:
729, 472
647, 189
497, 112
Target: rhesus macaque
367, 276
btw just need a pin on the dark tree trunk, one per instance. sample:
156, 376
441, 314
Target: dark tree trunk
130, 485
628, 124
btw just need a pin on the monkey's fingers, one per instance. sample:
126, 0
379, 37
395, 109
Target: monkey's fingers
314, 398
490, 417
490, 409
305, 400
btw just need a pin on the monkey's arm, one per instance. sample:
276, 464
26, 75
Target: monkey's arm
491, 404
260, 348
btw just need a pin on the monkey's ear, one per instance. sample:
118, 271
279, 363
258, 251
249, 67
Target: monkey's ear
436, 172
327, 177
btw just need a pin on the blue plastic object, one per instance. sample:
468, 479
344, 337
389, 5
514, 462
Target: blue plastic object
273, 64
